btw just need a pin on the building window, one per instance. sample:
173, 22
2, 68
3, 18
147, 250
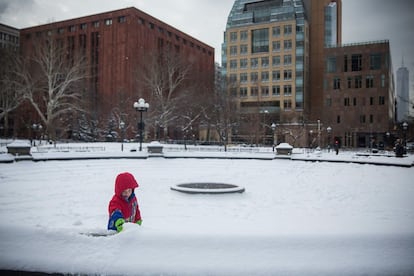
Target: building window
337, 83
83, 26
287, 29
275, 61
276, 31
276, 46
243, 49
72, 28
254, 91
243, 78
362, 119
260, 41
265, 76
61, 30
276, 90
371, 100
338, 119
265, 62
287, 44
382, 81
375, 62
233, 50
243, 63
108, 21
381, 100
287, 59
233, 78
233, 36
371, 118
233, 91
358, 81
287, 104
254, 76
265, 91
233, 64
287, 74
369, 81
345, 63
349, 81
287, 90
355, 101
346, 102
356, 61
121, 19
275, 75
331, 65
243, 92
328, 102
254, 62
243, 35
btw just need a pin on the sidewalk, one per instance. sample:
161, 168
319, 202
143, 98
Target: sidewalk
76, 151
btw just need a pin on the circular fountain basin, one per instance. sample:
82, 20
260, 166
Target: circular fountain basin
207, 188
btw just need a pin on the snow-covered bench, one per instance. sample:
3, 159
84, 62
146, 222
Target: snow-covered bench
19, 147
284, 149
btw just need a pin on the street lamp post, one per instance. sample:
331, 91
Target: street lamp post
387, 134
122, 128
310, 138
273, 126
37, 128
329, 130
405, 127
141, 106
319, 133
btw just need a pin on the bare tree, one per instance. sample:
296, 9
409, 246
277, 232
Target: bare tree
51, 80
10, 96
225, 113
164, 75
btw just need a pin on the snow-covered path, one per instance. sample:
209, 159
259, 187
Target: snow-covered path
295, 218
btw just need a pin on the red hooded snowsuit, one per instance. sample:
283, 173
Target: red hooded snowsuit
120, 207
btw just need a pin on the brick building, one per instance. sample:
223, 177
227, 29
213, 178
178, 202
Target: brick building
358, 93
117, 44
9, 45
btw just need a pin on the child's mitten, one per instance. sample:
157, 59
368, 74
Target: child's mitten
118, 224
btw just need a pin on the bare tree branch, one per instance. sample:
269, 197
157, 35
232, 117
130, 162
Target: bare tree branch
51, 81
164, 75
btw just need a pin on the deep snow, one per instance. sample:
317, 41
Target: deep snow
295, 218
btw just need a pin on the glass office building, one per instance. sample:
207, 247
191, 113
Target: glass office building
265, 56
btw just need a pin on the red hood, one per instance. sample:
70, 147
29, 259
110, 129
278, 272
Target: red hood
124, 181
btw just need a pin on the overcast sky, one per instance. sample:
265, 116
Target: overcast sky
363, 20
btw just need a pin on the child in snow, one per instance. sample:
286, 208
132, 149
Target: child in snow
123, 206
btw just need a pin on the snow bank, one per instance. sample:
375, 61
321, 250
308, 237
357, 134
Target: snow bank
294, 218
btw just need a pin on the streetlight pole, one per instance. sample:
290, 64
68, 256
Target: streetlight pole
122, 127
273, 126
141, 106
387, 134
329, 130
37, 128
405, 126
319, 133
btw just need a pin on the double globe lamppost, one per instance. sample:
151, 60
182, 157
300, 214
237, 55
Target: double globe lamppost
141, 106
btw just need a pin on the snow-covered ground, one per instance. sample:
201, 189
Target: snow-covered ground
294, 218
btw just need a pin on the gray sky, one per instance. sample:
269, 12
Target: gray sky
363, 20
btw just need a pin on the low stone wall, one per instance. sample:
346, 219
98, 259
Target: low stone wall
284, 149
19, 148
